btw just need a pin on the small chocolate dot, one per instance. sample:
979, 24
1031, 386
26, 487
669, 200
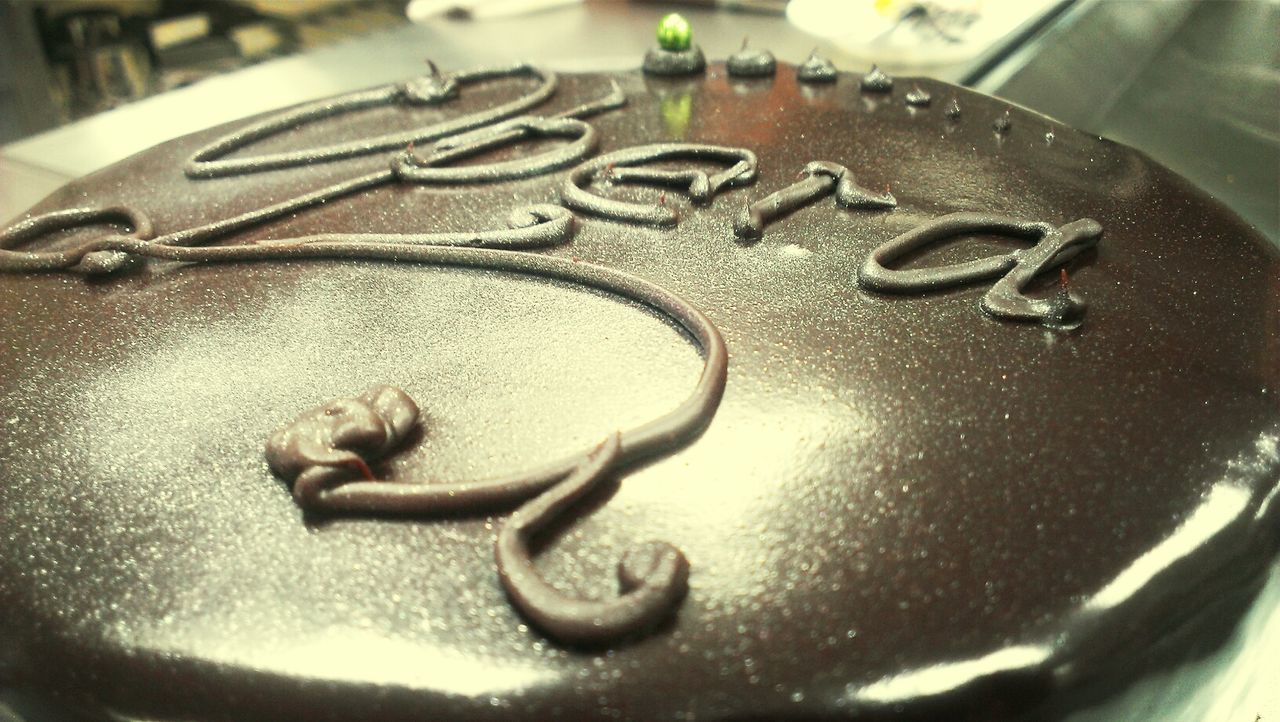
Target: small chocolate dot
876, 81
1003, 123
751, 63
918, 98
816, 69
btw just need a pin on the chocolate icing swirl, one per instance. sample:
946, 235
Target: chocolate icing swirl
656, 436
539, 226
411, 167
536, 226
654, 577
346, 433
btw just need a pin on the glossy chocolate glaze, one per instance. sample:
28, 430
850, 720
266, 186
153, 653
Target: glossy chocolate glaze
900, 504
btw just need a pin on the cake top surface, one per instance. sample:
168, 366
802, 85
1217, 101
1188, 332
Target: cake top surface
886, 394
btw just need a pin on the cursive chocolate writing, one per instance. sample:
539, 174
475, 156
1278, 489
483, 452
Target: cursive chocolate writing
210, 161
536, 226
819, 178
325, 454
412, 167
618, 167
1053, 247
318, 455
546, 226
318, 473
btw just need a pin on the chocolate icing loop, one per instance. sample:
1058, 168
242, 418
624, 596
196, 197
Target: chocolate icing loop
654, 577
617, 167
820, 178
411, 167
660, 435
1053, 247
80, 258
541, 228
325, 445
1059, 245
566, 124
210, 161
537, 226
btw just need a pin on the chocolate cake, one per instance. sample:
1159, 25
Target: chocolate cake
741, 390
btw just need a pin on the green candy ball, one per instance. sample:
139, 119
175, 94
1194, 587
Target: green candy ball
674, 33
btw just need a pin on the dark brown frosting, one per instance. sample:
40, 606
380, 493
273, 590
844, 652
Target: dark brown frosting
872, 504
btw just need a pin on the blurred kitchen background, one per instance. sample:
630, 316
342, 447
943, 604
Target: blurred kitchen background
83, 83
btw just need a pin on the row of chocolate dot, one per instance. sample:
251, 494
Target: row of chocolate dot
817, 69
677, 55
